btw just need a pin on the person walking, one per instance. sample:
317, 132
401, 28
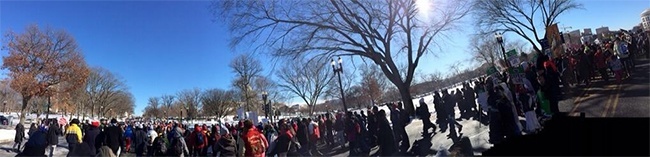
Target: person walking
197, 141
90, 136
36, 144
226, 145
423, 113
151, 136
20, 136
112, 137
52, 137
329, 123
387, 143
73, 135
254, 141
32, 129
139, 140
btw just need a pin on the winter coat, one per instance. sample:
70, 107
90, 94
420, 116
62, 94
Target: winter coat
36, 144
226, 146
387, 143
53, 134
75, 131
112, 137
192, 139
32, 129
20, 133
250, 137
139, 137
90, 137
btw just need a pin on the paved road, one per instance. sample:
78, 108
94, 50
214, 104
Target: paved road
630, 98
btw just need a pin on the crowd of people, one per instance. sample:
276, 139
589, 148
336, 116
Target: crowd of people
496, 100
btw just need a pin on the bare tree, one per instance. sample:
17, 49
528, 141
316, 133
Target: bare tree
307, 80
247, 68
486, 49
153, 108
218, 102
190, 100
167, 103
373, 85
521, 17
102, 88
40, 61
386, 32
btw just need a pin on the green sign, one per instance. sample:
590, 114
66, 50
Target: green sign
491, 70
511, 53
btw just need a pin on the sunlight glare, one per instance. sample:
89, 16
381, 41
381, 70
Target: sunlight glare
424, 7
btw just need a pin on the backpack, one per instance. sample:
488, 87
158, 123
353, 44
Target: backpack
199, 137
176, 147
258, 146
159, 145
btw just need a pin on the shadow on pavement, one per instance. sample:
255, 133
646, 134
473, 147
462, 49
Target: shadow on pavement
564, 135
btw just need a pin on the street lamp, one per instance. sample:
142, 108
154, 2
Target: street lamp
4, 106
338, 70
101, 109
264, 98
499, 38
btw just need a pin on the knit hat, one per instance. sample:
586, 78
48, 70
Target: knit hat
113, 121
95, 123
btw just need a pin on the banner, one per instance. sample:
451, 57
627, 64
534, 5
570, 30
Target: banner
554, 40
517, 75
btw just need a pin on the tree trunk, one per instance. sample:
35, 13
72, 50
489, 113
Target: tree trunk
22, 110
407, 100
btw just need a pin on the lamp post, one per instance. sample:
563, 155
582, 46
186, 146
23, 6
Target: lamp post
338, 70
4, 106
182, 114
266, 108
101, 108
499, 38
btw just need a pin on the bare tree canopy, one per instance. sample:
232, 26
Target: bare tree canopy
486, 49
247, 68
218, 102
373, 85
522, 17
387, 32
153, 108
190, 101
307, 80
167, 101
42, 63
102, 88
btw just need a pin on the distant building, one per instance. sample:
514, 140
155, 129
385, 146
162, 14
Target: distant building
645, 19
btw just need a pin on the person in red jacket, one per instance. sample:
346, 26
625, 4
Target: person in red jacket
254, 141
197, 141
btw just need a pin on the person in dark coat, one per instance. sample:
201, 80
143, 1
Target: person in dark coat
20, 136
302, 134
426, 117
387, 144
329, 124
139, 137
372, 126
112, 137
32, 129
441, 113
53, 134
36, 144
226, 145
90, 136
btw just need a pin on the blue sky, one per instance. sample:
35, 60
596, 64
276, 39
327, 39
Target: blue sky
162, 47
